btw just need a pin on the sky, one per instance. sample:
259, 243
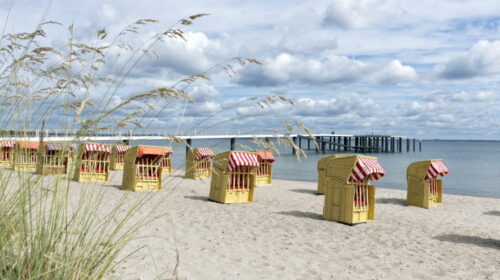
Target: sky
425, 69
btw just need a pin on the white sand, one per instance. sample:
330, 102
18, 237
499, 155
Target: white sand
282, 235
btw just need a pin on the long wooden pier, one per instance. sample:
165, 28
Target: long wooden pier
319, 142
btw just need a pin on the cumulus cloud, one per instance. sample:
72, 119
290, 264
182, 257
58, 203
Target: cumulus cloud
330, 70
483, 58
346, 14
108, 13
396, 72
481, 96
204, 93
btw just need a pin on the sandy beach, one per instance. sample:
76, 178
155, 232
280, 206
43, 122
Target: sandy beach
282, 235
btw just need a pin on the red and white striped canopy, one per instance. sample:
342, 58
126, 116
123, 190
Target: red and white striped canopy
202, 153
97, 148
29, 145
122, 148
168, 150
7, 144
366, 168
242, 159
436, 168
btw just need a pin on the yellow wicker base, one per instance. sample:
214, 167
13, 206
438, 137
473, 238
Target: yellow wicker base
144, 186
24, 167
232, 196
339, 204
199, 174
263, 180
166, 170
92, 177
51, 170
116, 166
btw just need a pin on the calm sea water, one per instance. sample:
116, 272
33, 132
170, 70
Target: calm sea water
474, 165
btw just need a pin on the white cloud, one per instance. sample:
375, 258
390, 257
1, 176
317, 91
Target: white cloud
483, 58
108, 13
346, 14
396, 72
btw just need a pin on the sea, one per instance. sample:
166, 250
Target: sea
474, 166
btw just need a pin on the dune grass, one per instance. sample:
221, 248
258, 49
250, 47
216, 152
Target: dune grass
49, 229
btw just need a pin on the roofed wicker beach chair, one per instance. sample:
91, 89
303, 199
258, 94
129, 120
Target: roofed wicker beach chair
233, 178
92, 163
118, 156
264, 174
142, 169
166, 163
349, 197
53, 158
6, 152
25, 156
199, 163
424, 189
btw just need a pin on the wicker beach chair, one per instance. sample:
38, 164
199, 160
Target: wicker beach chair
424, 189
53, 158
199, 163
233, 178
166, 163
264, 174
118, 156
25, 156
142, 169
6, 152
92, 163
349, 197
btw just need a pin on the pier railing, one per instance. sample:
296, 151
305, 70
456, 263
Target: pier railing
14, 133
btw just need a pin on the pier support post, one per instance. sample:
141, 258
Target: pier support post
400, 148
317, 144
308, 143
407, 144
188, 146
294, 140
414, 144
420, 145
233, 142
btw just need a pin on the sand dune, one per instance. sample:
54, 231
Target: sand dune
282, 235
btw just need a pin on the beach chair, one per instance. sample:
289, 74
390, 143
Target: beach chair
233, 178
142, 169
198, 163
25, 156
53, 158
92, 163
118, 156
166, 163
6, 152
264, 174
322, 168
349, 197
424, 189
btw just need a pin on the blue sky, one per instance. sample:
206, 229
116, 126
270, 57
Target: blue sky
425, 69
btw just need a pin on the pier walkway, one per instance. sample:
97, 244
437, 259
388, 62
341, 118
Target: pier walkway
333, 142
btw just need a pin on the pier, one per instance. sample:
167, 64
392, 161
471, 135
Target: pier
318, 142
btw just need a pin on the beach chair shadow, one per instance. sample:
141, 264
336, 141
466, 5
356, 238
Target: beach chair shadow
467, 239
493, 213
197, 197
395, 201
306, 191
302, 214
